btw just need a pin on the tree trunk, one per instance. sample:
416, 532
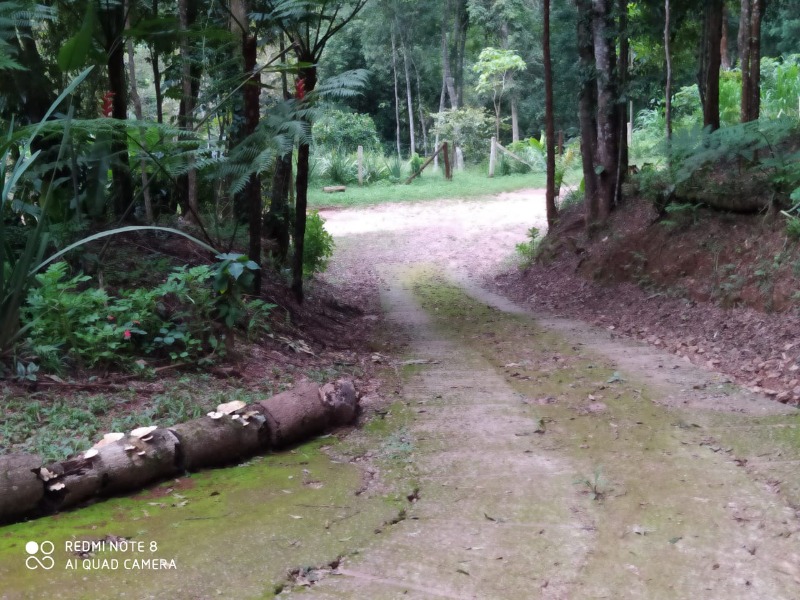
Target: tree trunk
712, 58
622, 104
420, 112
460, 43
550, 197
189, 192
668, 57
756, 16
252, 191
409, 99
137, 109
308, 76
725, 58
436, 140
607, 127
587, 106
114, 26
514, 120
744, 58
447, 76
157, 73
396, 96
277, 222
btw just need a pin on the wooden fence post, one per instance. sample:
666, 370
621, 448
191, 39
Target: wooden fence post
361, 165
492, 156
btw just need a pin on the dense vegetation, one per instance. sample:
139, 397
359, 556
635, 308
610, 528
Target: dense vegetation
212, 120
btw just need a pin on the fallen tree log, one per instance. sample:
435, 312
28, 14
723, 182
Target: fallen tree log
122, 463
21, 490
207, 442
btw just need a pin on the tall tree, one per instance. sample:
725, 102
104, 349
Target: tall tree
668, 59
710, 61
309, 31
112, 22
550, 130
752, 12
587, 103
607, 114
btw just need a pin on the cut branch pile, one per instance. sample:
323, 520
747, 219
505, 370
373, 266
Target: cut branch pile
121, 463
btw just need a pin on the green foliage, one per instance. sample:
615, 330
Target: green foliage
16, 268
317, 246
528, 251
415, 163
233, 277
338, 167
493, 67
344, 131
72, 322
467, 127
596, 486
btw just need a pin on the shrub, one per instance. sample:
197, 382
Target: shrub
528, 251
317, 246
345, 131
415, 163
469, 128
176, 320
338, 167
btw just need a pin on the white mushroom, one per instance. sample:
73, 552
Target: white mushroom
130, 448
90, 453
216, 415
231, 407
54, 487
109, 438
142, 432
46, 475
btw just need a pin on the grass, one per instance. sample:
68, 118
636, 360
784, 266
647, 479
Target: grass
470, 183
58, 427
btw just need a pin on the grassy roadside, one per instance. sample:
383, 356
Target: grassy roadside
430, 186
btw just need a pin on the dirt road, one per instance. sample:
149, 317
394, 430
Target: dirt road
552, 461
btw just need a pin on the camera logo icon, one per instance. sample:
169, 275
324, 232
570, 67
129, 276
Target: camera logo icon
39, 555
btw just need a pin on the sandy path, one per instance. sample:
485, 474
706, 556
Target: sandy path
499, 515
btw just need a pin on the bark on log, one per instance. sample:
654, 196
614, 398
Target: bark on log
76, 481
207, 442
340, 401
20, 489
295, 415
123, 469
331, 189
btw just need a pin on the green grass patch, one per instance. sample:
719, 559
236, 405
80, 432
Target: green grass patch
471, 183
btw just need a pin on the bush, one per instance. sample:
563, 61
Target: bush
317, 246
345, 131
176, 320
338, 167
415, 163
530, 249
469, 128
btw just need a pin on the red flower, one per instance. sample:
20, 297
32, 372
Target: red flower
300, 89
127, 334
108, 104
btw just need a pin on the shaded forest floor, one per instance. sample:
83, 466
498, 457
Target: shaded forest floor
717, 290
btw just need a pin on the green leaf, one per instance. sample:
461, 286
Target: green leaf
235, 270
73, 53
